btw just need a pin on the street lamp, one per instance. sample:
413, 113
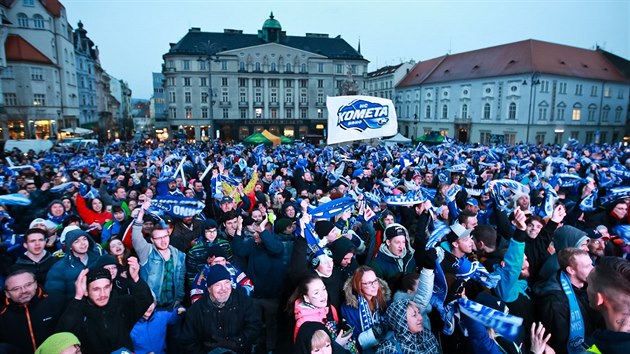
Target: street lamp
532, 101
209, 51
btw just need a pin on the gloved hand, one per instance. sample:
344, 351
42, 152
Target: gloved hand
428, 258
379, 330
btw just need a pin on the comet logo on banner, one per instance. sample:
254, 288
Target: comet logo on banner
353, 118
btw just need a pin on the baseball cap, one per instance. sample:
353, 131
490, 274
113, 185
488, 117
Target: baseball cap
472, 201
458, 232
226, 199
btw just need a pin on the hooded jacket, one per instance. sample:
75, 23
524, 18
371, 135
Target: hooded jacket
339, 249
564, 237
403, 340
62, 274
606, 341
386, 265
40, 269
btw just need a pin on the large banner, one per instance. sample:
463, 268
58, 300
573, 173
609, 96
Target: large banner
353, 118
179, 207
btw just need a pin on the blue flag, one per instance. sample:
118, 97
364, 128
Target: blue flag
179, 207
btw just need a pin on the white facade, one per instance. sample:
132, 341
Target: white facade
556, 108
382, 82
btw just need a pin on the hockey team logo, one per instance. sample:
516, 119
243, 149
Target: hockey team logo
362, 115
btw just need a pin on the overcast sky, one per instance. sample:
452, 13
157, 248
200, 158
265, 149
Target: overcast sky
132, 35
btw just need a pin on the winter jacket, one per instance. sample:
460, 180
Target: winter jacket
564, 237
62, 274
422, 296
350, 311
386, 265
40, 269
27, 326
197, 257
536, 249
206, 325
403, 341
239, 280
152, 265
183, 235
149, 335
606, 341
102, 330
264, 263
552, 308
304, 313
88, 215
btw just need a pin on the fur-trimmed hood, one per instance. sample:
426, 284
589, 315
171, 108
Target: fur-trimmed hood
352, 299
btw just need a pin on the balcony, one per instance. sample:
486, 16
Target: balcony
304, 104
243, 103
274, 104
320, 104
258, 104
225, 104
462, 119
289, 103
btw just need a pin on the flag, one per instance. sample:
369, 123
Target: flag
353, 118
179, 207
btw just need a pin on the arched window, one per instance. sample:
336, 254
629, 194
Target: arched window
427, 111
22, 20
444, 111
38, 21
241, 66
512, 111
289, 68
273, 67
258, 66
486, 111
464, 111
303, 68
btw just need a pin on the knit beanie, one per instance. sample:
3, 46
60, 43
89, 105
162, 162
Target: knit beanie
215, 274
57, 343
323, 228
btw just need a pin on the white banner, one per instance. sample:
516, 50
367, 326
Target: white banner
360, 117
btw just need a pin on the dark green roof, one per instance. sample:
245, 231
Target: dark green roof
195, 43
271, 23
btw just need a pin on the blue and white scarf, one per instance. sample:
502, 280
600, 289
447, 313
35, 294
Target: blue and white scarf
467, 270
576, 323
588, 203
506, 325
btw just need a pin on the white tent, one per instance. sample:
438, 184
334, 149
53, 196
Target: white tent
78, 131
397, 139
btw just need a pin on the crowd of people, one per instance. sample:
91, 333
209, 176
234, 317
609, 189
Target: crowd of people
224, 248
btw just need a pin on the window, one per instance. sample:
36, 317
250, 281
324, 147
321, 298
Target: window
187, 97
618, 111
509, 138
544, 86
578, 89
427, 112
575, 135
288, 97
224, 96
201, 65
512, 111
258, 97
339, 69
303, 113
577, 111
242, 96
303, 68
320, 67
225, 113
243, 113
258, 82
615, 136
605, 113
289, 113
188, 112
173, 112
203, 81
39, 99
320, 113
288, 68
540, 138
224, 81
224, 65
7, 73
542, 110
186, 81
37, 74
242, 82
464, 111
557, 138
273, 96
38, 21
186, 64
204, 97
204, 112
589, 137
320, 83
486, 111
562, 88
560, 113
10, 99
619, 96
484, 137
170, 81
258, 66
607, 92
29, 3
273, 67
594, 91
22, 20
591, 112
354, 69
444, 112
171, 96
303, 97
320, 97
241, 66
274, 113
258, 112
288, 83
303, 83
273, 82
602, 137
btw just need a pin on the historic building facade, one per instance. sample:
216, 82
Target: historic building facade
528, 91
229, 85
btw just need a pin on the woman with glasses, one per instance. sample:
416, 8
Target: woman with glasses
364, 310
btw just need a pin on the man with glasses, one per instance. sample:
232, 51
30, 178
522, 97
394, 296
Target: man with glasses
28, 316
597, 239
163, 266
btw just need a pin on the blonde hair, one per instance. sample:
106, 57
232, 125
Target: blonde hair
320, 339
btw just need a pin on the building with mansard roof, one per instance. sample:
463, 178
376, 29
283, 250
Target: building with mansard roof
528, 91
230, 84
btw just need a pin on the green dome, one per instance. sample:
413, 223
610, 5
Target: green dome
271, 23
